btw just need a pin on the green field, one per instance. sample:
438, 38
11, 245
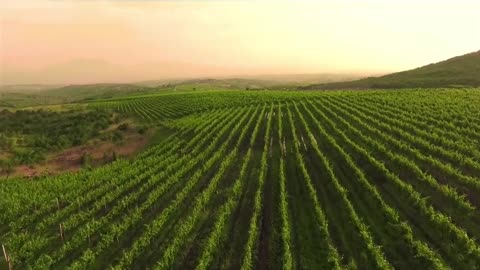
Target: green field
266, 180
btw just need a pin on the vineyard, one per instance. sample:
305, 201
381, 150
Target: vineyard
266, 180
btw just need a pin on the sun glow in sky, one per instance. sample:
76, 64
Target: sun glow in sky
46, 41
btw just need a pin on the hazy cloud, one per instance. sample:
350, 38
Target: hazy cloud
218, 37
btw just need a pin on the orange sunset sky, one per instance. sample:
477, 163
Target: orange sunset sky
62, 41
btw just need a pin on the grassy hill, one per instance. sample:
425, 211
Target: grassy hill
275, 81
458, 71
19, 96
94, 91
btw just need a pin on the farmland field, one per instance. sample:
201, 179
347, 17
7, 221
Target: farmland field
266, 180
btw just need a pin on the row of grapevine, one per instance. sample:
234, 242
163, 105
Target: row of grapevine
217, 236
175, 105
265, 179
446, 231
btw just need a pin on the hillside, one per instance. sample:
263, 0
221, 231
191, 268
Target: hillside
18, 96
458, 71
93, 91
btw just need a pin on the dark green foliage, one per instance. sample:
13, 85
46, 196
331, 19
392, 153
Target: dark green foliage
29, 135
29, 157
52, 130
117, 136
7, 143
142, 130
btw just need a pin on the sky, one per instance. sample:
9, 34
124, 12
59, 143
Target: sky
86, 41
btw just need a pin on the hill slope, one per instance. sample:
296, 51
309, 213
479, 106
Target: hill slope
92, 91
21, 96
458, 71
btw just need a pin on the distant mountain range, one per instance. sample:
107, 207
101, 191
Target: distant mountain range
93, 71
455, 72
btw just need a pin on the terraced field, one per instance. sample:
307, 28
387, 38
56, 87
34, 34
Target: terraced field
267, 180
